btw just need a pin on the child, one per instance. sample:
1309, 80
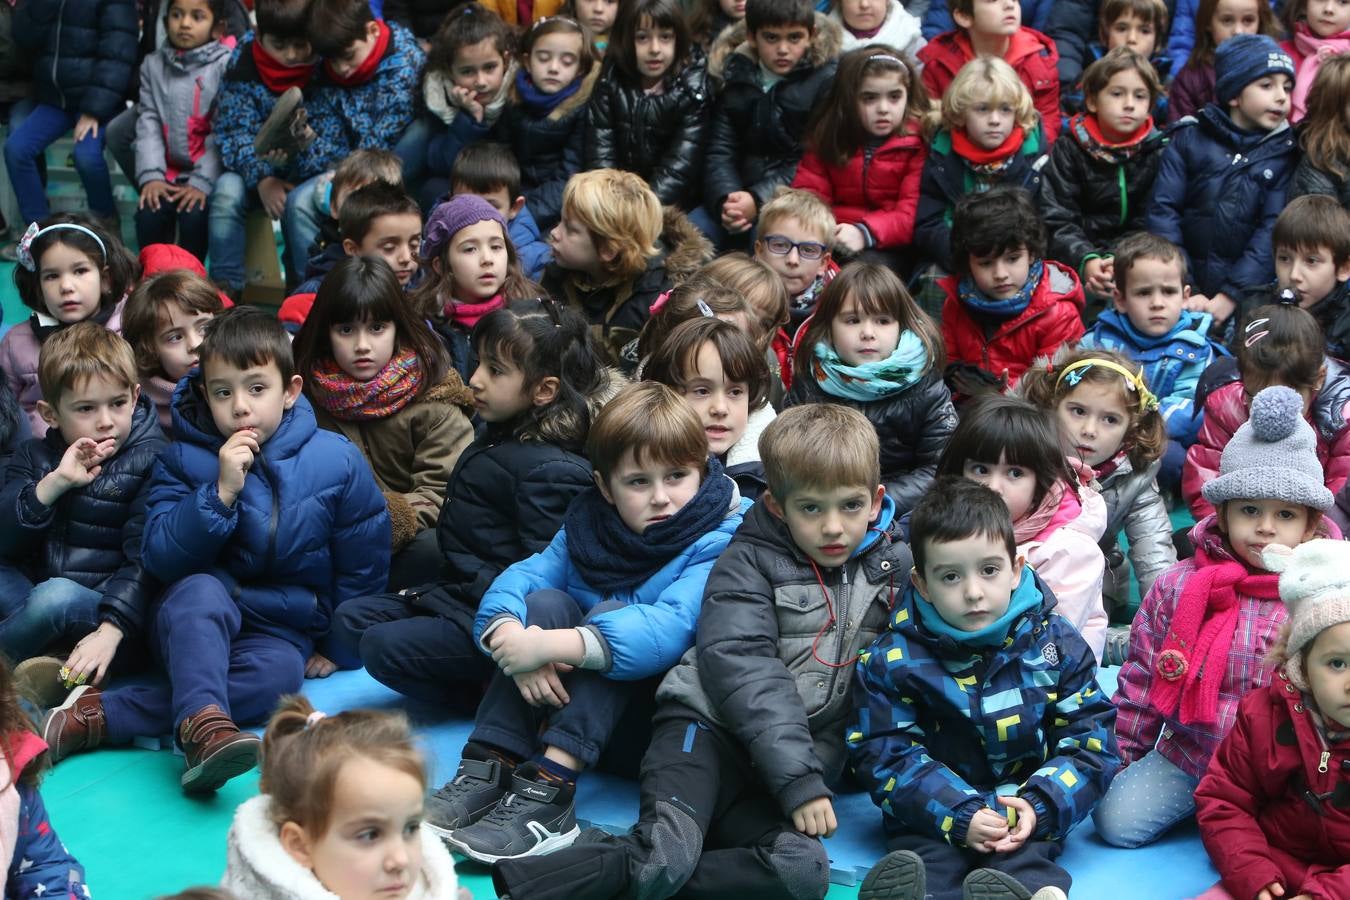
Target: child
866, 153
597, 15
737, 782
580, 631
84, 64
1281, 344
359, 169
723, 376
885, 22
1139, 25
1149, 323
870, 347
340, 812
522, 12
491, 171
1058, 517
380, 219
378, 375
1325, 135
987, 135
1099, 179
649, 114
763, 290
1216, 21
615, 251
780, 67
793, 237
472, 270
977, 797
537, 387
1006, 305
261, 524
1267, 805
164, 321
1322, 31
71, 544
1200, 641
176, 161
1312, 258
697, 297
993, 29
1109, 421
1223, 177
70, 270
710, 19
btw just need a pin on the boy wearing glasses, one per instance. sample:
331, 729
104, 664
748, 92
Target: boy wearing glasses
793, 238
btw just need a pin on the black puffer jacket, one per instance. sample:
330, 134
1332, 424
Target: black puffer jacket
85, 52
93, 534
660, 137
422, 17
755, 140
1089, 202
1308, 179
913, 427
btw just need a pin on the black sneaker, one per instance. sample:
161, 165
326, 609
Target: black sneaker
900, 875
991, 884
466, 798
535, 818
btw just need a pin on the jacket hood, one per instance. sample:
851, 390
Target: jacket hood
572, 104
827, 42
687, 248
1219, 126
1084, 513
1028, 42
746, 450
1192, 328
205, 55
193, 424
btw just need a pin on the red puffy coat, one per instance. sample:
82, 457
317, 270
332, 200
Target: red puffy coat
1258, 818
1052, 318
1227, 407
1032, 55
878, 189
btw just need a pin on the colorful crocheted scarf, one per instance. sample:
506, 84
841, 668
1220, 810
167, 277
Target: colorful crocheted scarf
348, 400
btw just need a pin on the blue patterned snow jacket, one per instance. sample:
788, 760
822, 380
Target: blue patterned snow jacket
941, 728
1172, 363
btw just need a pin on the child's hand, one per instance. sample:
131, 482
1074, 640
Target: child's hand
86, 126
272, 192
155, 193
189, 199
1221, 307
91, 657
1020, 833
543, 686
815, 818
738, 211
1098, 276
277, 157
987, 828
519, 649
850, 237
236, 458
464, 99
80, 464
319, 666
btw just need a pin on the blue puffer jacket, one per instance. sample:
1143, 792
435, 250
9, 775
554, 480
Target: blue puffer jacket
938, 18
1217, 195
309, 530
1172, 363
370, 115
942, 729
85, 52
648, 635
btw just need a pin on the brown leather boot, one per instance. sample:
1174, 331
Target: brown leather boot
216, 750
76, 725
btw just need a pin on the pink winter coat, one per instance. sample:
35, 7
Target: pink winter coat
1067, 557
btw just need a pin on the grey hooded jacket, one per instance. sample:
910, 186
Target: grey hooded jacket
174, 137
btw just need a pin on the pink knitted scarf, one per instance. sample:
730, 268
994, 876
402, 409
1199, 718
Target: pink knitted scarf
1313, 49
348, 400
466, 315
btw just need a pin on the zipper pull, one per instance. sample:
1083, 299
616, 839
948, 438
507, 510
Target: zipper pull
1322, 763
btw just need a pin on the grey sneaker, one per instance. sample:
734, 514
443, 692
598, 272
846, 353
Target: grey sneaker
38, 679
466, 798
899, 875
1117, 645
535, 818
991, 884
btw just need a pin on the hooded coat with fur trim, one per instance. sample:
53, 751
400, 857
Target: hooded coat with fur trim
755, 141
1032, 55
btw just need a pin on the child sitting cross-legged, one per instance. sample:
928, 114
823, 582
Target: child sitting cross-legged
261, 524
581, 630
736, 785
977, 797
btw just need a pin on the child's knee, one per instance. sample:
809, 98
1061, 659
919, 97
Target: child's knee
676, 845
1118, 824
802, 865
551, 608
55, 595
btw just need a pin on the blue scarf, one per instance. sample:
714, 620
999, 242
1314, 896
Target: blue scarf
871, 380
1001, 309
1025, 597
536, 100
611, 557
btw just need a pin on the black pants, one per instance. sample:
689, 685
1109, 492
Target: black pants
707, 828
946, 866
160, 226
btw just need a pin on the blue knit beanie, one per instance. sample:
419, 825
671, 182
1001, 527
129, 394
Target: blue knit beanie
1244, 58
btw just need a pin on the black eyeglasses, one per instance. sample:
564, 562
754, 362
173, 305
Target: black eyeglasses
781, 246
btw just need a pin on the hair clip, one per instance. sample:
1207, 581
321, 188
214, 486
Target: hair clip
1251, 327
24, 252
313, 719
706, 310
659, 303
567, 19
1287, 297
886, 57
551, 307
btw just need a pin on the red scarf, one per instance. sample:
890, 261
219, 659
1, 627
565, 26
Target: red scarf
1194, 656
967, 150
1094, 128
466, 315
276, 77
366, 70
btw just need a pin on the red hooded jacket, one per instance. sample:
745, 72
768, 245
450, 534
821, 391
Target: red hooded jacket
1274, 805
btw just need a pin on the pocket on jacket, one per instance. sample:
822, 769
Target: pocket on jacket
801, 612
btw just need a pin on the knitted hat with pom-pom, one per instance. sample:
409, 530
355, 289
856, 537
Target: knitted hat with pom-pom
1272, 456
1315, 586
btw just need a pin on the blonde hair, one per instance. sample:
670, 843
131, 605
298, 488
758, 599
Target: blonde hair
822, 446
761, 287
654, 422
367, 166
985, 79
621, 213
82, 351
804, 206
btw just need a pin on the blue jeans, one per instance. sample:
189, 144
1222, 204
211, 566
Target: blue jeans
37, 615
29, 141
411, 147
1145, 799
300, 225
230, 204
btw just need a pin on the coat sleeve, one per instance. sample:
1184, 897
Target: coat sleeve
813, 175
1178, 407
932, 227
1169, 191
186, 525
150, 150
1148, 531
1046, 99
1181, 39
25, 519
931, 428
674, 177
721, 176
1202, 458
937, 20
444, 147
360, 544
1065, 326
1073, 565
1138, 724
439, 441
506, 597
236, 122
32, 21
1257, 263
1187, 97
546, 199
115, 61
41, 865
748, 683
128, 594
599, 150
894, 226
1062, 183
1308, 179
1072, 25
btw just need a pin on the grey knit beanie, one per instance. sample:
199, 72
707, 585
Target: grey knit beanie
1272, 456
1315, 586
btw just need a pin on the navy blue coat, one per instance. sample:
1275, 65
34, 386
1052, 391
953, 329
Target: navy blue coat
85, 52
309, 530
1217, 195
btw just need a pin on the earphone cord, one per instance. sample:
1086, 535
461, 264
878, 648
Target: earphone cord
815, 644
